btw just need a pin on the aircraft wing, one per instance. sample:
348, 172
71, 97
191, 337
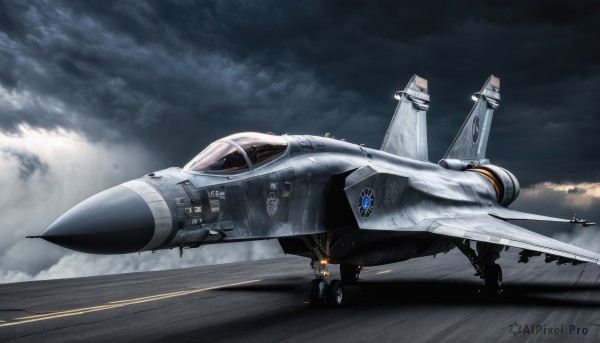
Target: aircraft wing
509, 214
487, 229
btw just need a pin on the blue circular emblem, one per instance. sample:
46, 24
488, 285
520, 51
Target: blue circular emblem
366, 201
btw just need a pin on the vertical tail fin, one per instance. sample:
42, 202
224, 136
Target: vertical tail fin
471, 142
407, 133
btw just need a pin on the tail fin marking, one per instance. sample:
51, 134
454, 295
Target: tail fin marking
407, 133
471, 142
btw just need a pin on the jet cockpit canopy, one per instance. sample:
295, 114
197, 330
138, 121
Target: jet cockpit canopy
238, 152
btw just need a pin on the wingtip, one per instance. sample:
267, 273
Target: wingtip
583, 222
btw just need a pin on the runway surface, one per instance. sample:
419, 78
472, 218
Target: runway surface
426, 299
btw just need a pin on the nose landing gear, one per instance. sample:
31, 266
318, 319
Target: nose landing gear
322, 292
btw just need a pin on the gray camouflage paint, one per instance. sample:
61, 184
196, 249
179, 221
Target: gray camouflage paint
375, 207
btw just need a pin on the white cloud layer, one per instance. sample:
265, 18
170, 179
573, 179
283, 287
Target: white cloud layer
80, 265
578, 195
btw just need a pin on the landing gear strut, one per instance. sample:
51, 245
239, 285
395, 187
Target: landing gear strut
321, 291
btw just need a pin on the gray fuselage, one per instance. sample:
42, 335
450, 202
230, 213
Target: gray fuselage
302, 193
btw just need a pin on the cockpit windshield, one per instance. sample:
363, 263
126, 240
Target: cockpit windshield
258, 146
219, 156
238, 152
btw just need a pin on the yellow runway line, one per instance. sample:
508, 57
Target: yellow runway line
384, 272
148, 297
62, 312
111, 305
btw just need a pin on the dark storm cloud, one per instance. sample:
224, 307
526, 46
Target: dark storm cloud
28, 163
177, 75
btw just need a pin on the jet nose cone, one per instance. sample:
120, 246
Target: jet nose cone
114, 221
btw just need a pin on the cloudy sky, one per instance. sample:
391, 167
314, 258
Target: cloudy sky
96, 93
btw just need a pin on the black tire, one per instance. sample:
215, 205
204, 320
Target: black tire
335, 294
349, 273
316, 296
493, 278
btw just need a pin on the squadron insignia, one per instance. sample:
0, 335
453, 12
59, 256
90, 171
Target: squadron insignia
272, 204
366, 201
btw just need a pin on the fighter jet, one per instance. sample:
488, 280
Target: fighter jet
329, 200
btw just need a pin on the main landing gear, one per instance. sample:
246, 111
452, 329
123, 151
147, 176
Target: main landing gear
484, 262
492, 276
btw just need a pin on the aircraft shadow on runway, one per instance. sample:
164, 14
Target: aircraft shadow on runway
279, 311
414, 292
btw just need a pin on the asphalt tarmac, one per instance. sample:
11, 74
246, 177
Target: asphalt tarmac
426, 299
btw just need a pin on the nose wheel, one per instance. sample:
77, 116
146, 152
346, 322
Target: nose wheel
326, 294
316, 292
335, 294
